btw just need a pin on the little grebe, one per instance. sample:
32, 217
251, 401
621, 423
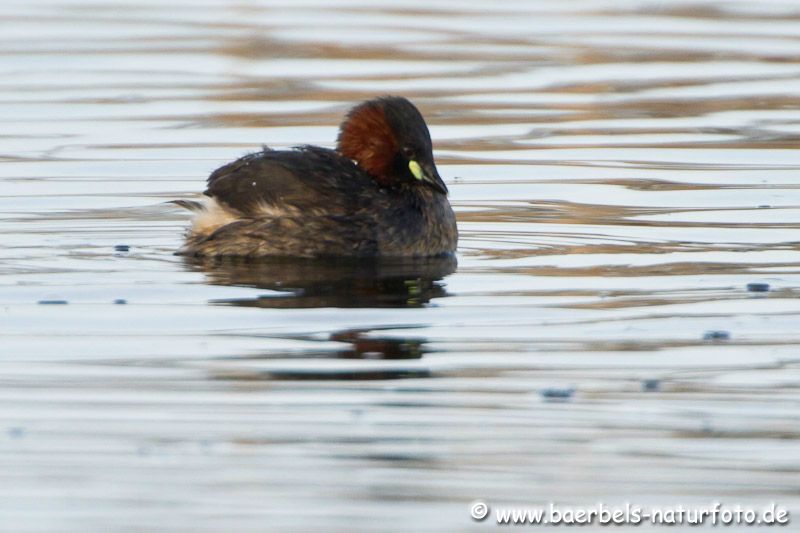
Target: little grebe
377, 195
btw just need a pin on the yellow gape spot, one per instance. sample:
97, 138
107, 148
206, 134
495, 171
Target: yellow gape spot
415, 169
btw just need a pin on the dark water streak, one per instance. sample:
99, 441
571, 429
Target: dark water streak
622, 173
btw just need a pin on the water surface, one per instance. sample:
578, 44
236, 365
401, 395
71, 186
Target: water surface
621, 172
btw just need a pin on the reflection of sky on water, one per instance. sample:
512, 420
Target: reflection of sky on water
621, 172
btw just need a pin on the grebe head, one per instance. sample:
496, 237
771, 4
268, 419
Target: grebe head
388, 138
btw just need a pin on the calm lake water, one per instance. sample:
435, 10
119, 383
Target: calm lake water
622, 324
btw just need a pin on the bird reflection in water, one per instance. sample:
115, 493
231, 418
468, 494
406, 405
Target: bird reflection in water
337, 283
347, 283
364, 346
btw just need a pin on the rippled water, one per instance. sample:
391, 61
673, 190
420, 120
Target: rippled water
621, 171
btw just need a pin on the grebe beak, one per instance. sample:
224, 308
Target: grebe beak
428, 175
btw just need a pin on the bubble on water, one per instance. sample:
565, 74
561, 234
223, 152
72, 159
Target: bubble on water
557, 394
652, 384
716, 335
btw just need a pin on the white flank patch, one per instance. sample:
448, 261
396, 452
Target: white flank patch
212, 217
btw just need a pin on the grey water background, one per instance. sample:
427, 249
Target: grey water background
621, 171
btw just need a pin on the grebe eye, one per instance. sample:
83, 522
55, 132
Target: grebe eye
408, 151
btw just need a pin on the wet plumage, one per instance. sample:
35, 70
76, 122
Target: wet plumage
377, 195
